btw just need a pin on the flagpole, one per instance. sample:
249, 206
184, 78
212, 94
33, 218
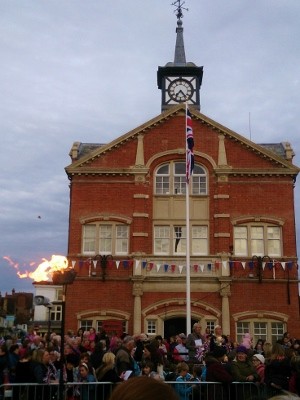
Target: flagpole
188, 278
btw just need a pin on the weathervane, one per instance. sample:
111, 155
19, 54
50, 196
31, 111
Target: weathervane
179, 7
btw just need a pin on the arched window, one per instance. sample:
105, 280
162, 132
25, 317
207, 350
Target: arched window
170, 179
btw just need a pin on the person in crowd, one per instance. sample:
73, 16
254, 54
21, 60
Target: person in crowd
149, 370
217, 372
80, 333
278, 369
42, 373
183, 388
91, 335
242, 369
13, 358
172, 345
294, 381
23, 375
285, 396
97, 355
102, 336
161, 346
247, 341
267, 351
72, 375
87, 392
124, 359
140, 341
195, 343
4, 366
143, 388
258, 361
107, 373
85, 358
217, 339
296, 347
114, 342
24, 347
180, 352
286, 340
153, 354
258, 348
36, 343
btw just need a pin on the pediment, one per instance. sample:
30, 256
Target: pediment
84, 155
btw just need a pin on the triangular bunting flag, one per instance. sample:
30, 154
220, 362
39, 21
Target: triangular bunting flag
196, 266
95, 263
202, 267
166, 267
117, 264
173, 267
137, 263
125, 263
243, 264
224, 264
144, 264
73, 264
158, 267
180, 267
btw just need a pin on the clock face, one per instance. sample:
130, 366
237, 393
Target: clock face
180, 90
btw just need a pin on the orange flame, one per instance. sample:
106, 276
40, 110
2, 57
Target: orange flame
44, 270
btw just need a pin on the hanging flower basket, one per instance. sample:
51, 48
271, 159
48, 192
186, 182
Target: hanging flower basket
64, 277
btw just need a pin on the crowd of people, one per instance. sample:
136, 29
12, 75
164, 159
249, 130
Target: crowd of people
90, 356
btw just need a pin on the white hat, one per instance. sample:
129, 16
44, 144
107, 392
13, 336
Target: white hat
260, 357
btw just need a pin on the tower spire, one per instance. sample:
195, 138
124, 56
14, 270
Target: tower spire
179, 57
179, 80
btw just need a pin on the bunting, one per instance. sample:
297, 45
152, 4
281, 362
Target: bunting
91, 266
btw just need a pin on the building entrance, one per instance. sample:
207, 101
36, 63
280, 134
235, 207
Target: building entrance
174, 326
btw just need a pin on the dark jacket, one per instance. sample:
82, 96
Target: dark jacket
278, 372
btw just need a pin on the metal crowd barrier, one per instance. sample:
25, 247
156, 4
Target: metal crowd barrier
220, 391
54, 391
103, 390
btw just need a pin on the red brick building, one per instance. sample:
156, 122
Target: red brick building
128, 228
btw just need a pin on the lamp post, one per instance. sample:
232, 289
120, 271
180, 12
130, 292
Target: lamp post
258, 260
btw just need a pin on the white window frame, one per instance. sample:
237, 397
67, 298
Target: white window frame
258, 240
110, 237
165, 240
86, 324
56, 312
268, 329
151, 326
170, 179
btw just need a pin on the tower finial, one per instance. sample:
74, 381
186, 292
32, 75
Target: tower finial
179, 7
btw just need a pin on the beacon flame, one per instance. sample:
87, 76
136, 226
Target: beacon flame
45, 270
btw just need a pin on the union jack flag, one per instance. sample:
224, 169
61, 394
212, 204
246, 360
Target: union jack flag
190, 146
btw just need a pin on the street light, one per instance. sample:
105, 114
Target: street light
44, 301
258, 261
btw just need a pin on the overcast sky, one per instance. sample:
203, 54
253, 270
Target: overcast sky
86, 71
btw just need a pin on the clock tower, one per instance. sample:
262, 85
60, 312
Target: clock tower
179, 81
